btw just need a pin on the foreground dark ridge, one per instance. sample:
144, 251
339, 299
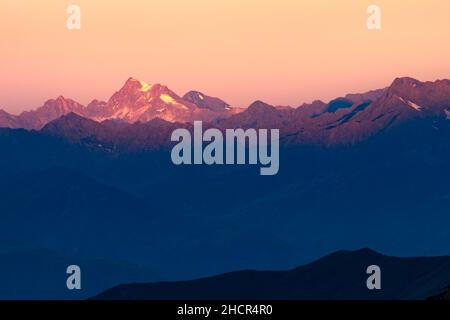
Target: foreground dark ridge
341, 275
443, 295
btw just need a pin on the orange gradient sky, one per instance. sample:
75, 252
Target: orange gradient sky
280, 51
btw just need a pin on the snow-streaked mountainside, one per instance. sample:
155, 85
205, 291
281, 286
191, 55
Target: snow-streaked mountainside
203, 101
344, 120
138, 101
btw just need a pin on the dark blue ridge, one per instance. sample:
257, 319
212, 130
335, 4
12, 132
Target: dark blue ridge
339, 103
350, 115
341, 275
347, 117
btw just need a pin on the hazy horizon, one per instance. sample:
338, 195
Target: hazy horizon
283, 52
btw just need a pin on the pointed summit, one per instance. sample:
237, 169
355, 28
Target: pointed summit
405, 81
72, 127
433, 96
131, 84
131, 80
260, 107
139, 87
404, 85
201, 100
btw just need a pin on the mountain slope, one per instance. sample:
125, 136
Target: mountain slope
341, 275
113, 136
203, 101
36, 119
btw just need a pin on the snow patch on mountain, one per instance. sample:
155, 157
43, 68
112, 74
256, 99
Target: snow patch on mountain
447, 113
145, 86
168, 99
411, 104
415, 106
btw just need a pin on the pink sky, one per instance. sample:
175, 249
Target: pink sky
280, 51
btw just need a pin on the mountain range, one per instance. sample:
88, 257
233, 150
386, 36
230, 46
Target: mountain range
338, 276
148, 113
363, 170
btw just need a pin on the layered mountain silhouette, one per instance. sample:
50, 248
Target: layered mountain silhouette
345, 120
342, 121
363, 170
341, 275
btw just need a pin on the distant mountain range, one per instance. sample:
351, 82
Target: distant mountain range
341, 275
149, 113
